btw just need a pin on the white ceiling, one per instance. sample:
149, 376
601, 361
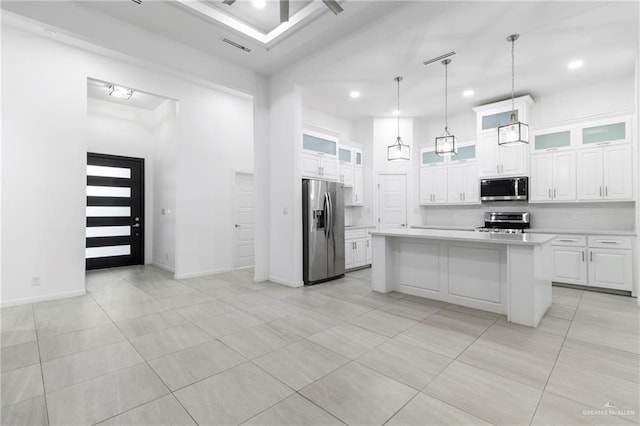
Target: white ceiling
371, 42
265, 19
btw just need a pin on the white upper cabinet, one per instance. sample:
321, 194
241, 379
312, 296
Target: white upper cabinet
345, 165
449, 180
319, 156
462, 181
605, 132
605, 173
433, 185
495, 160
553, 177
351, 173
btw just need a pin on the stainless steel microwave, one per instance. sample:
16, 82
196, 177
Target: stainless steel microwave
505, 189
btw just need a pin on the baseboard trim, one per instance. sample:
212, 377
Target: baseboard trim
45, 298
260, 278
201, 273
288, 283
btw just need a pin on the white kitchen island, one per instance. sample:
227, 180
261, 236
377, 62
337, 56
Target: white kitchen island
503, 273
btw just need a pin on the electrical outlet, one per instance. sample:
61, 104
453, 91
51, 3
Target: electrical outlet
35, 281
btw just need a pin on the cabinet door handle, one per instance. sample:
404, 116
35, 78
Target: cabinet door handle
460, 196
367, 243
583, 255
610, 242
464, 196
601, 191
497, 168
590, 256
555, 192
566, 240
549, 193
606, 191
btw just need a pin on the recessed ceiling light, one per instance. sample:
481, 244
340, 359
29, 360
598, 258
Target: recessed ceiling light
396, 112
575, 64
120, 92
259, 4
49, 33
467, 93
354, 94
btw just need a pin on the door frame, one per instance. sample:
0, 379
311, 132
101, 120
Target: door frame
234, 210
140, 162
376, 205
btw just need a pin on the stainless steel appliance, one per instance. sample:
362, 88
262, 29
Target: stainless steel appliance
506, 222
323, 230
505, 189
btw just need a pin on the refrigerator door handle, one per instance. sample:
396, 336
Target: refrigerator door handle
325, 212
330, 215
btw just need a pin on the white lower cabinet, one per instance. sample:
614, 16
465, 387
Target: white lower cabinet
357, 248
597, 261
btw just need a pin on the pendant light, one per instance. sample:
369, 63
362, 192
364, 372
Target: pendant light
514, 132
446, 144
398, 151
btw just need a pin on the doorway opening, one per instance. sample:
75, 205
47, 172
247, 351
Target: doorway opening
392, 201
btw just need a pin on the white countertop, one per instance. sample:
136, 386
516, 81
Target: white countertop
358, 227
536, 230
529, 239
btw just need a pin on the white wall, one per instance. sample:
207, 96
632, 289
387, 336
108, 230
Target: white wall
285, 180
44, 118
385, 132
164, 190
216, 138
123, 130
336, 125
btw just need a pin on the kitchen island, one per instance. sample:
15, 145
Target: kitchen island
502, 273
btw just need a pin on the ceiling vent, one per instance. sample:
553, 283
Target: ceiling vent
439, 58
137, 1
234, 44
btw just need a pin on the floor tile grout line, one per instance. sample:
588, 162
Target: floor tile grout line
553, 367
450, 363
44, 390
154, 372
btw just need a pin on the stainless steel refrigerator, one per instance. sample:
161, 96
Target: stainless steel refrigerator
323, 230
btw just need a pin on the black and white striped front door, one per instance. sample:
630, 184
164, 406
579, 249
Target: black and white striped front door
115, 211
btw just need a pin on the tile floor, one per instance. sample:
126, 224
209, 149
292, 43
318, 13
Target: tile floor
142, 348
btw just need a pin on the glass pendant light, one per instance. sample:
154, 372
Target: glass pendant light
398, 151
446, 144
514, 132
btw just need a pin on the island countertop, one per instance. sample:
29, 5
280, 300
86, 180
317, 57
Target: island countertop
528, 239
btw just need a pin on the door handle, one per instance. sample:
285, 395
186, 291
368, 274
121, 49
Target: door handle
403, 225
137, 225
237, 226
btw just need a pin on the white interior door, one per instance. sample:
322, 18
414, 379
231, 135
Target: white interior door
392, 201
244, 205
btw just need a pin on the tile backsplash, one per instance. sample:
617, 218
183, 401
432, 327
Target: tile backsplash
577, 216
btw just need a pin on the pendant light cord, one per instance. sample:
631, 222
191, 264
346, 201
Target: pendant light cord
398, 80
446, 96
513, 74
